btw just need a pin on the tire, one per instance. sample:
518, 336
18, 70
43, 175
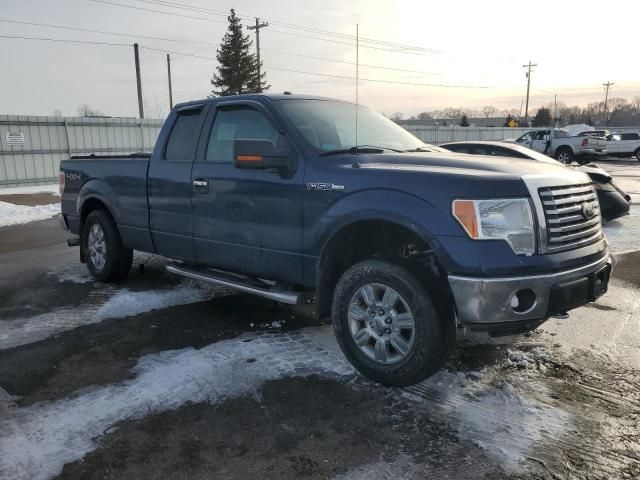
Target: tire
564, 155
637, 154
107, 259
424, 348
582, 161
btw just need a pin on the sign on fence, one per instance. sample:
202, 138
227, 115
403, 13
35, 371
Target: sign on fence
14, 138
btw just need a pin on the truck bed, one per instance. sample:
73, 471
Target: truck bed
120, 182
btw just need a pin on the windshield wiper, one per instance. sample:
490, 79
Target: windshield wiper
360, 148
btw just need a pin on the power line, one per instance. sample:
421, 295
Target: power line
20, 37
195, 8
104, 32
396, 48
346, 77
344, 62
375, 80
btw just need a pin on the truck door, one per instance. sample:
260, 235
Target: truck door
245, 220
540, 140
614, 144
169, 185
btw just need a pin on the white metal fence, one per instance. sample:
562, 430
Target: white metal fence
437, 135
31, 147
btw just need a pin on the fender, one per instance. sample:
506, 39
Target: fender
99, 190
403, 209
406, 210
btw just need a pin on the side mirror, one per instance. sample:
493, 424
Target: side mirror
259, 154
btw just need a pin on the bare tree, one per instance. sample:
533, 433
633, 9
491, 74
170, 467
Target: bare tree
86, 110
452, 113
396, 116
489, 111
426, 116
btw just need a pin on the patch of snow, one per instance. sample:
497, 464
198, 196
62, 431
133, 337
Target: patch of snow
623, 234
127, 303
11, 214
50, 188
506, 421
75, 277
100, 305
37, 441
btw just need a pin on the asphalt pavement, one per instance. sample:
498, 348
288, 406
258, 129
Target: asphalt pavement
159, 377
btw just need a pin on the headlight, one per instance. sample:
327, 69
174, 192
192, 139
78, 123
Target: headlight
501, 219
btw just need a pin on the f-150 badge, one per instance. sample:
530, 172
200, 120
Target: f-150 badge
324, 186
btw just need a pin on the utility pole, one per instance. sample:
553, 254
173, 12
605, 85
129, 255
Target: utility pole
257, 28
169, 76
607, 86
526, 108
138, 81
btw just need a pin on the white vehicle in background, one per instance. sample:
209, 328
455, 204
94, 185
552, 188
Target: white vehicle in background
563, 146
625, 144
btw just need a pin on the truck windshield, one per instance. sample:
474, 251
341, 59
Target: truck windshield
329, 125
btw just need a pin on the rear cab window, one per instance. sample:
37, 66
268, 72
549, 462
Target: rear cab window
183, 139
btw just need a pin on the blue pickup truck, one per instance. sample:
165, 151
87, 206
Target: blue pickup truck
400, 242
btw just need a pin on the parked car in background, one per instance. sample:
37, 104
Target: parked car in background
614, 203
625, 144
563, 146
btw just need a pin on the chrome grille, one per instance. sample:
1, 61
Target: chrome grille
566, 211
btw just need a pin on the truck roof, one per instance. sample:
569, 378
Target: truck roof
255, 96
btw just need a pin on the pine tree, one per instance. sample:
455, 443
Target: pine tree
464, 121
542, 118
237, 70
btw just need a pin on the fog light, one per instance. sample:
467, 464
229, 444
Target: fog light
523, 300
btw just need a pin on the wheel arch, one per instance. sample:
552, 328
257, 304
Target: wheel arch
381, 236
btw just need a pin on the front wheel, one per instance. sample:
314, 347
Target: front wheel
387, 324
564, 155
107, 259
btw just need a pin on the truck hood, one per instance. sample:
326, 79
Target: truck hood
459, 164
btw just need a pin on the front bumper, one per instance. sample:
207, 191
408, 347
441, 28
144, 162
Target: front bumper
485, 303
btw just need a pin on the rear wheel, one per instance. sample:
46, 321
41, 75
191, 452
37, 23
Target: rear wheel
637, 154
107, 259
564, 155
387, 324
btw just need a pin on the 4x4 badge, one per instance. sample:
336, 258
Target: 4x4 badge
324, 186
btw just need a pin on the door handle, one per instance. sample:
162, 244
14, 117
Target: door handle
200, 182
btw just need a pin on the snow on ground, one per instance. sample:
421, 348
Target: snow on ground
623, 234
506, 420
126, 303
50, 188
11, 214
37, 441
100, 305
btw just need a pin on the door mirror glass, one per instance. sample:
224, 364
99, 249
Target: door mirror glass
260, 154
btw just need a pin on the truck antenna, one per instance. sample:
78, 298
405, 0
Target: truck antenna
355, 163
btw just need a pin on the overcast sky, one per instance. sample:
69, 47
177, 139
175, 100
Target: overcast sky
576, 45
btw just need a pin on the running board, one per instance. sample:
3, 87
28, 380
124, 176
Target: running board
240, 283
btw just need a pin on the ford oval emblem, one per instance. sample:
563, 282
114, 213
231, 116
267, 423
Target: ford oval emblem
588, 210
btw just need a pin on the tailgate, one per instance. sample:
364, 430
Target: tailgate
594, 143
